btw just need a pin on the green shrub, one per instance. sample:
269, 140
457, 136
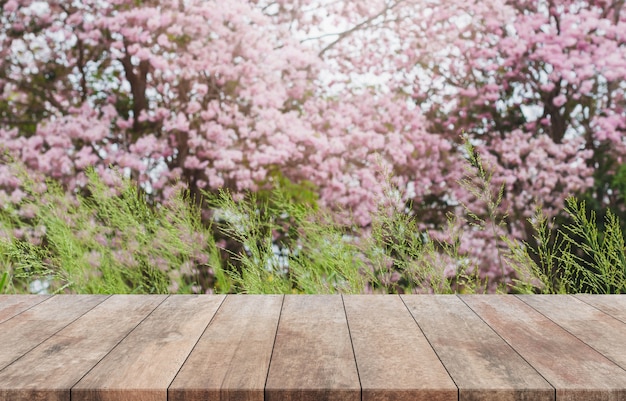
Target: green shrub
279, 240
105, 241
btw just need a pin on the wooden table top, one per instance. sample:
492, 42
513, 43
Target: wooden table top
313, 347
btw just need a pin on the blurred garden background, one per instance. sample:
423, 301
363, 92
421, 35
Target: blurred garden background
312, 146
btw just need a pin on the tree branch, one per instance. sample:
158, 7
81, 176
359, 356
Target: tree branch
355, 28
138, 83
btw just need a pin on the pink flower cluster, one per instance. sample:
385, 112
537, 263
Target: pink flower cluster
226, 93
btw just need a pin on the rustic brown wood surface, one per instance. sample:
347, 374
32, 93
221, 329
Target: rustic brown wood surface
482, 364
30, 328
11, 306
312, 358
147, 360
51, 369
381, 329
611, 304
232, 357
287, 348
577, 371
597, 329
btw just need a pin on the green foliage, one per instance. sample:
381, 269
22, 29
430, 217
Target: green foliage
303, 192
619, 179
291, 246
537, 267
478, 182
578, 257
609, 188
286, 246
405, 259
3, 281
594, 260
110, 240
22, 262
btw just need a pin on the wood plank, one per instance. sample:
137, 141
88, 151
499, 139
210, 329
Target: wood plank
143, 365
312, 358
483, 366
614, 305
30, 328
232, 358
11, 305
606, 335
575, 370
394, 359
50, 370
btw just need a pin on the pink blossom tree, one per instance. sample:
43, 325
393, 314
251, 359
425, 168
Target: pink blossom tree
219, 95
537, 86
202, 91
339, 93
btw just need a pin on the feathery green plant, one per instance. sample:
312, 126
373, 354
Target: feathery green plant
107, 241
577, 257
312, 256
112, 241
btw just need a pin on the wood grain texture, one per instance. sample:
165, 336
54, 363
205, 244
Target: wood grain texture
143, 365
614, 305
575, 370
312, 358
11, 305
50, 370
232, 358
597, 329
394, 359
304, 348
483, 366
33, 326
